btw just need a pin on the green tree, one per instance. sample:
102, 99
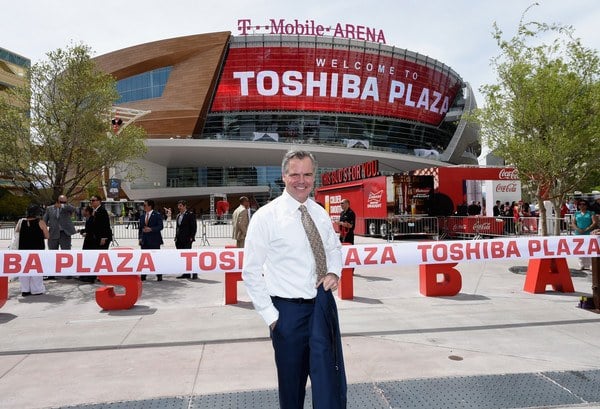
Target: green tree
12, 207
55, 134
543, 115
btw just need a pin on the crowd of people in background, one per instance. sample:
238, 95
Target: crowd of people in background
520, 217
54, 225
520, 209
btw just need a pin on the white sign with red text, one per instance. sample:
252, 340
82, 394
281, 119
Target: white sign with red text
211, 260
507, 190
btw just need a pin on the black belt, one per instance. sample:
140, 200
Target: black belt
295, 300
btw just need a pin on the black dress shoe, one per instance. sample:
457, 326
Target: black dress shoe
194, 276
143, 278
25, 293
184, 276
159, 277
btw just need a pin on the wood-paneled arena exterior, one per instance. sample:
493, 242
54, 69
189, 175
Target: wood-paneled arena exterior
186, 99
225, 108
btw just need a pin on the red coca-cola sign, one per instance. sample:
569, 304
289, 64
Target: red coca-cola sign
508, 174
459, 227
482, 226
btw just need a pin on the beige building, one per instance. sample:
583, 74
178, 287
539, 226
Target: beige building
13, 72
13, 69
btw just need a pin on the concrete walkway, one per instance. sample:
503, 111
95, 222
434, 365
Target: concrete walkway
181, 342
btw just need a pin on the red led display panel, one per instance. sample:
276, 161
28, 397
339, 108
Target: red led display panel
333, 80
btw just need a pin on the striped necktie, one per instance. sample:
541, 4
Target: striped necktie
316, 244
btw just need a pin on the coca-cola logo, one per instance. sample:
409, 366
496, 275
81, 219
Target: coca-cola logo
487, 226
506, 188
459, 227
510, 174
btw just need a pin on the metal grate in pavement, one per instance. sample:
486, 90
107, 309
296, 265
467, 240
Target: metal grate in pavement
158, 403
238, 400
546, 389
584, 384
479, 392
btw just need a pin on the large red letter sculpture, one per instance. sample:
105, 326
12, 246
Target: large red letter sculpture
231, 283
109, 300
3, 290
431, 287
346, 285
554, 271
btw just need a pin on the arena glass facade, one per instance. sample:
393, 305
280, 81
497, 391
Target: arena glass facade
348, 101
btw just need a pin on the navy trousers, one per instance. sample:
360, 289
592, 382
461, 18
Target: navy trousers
307, 342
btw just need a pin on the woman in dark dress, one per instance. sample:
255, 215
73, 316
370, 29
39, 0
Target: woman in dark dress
32, 233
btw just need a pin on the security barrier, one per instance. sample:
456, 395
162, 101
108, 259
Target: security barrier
436, 228
214, 228
124, 266
477, 227
401, 226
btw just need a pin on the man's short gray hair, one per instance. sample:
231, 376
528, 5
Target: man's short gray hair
297, 154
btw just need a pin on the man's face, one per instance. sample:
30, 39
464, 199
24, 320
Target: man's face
181, 208
299, 179
345, 205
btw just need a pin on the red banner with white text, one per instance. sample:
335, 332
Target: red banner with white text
333, 80
210, 260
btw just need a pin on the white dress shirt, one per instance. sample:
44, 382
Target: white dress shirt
278, 259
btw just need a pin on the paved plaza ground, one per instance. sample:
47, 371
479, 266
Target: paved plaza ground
491, 346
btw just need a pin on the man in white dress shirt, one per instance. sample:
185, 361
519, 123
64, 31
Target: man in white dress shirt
280, 276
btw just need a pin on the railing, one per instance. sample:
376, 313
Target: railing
475, 227
436, 228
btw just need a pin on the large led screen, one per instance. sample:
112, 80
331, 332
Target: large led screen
333, 80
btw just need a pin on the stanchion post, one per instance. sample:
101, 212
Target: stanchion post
3, 290
231, 284
346, 282
596, 282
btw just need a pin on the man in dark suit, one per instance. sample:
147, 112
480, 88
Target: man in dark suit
98, 231
185, 232
100, 226
58, 219
150, 236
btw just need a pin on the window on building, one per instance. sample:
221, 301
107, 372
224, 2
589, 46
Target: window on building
147, 85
